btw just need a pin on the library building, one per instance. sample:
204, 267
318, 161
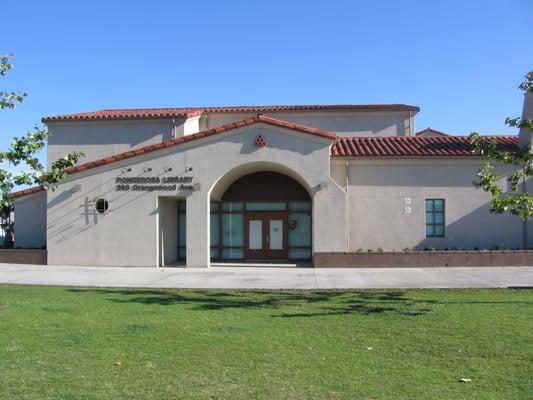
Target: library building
248, 185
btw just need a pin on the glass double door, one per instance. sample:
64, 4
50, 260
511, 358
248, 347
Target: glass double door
265, 236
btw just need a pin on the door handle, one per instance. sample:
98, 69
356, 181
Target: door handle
268, 239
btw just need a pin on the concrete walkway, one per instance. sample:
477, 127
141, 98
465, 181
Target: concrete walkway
268, 278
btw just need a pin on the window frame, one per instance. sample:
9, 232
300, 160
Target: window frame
433, 212
105, 204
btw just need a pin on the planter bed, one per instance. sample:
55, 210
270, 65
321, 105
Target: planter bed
471, 258
23, 256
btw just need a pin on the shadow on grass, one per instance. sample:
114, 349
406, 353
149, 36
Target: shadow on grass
321, 303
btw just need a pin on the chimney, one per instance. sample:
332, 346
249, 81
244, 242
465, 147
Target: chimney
525, 136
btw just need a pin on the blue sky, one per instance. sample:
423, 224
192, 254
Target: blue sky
459, 61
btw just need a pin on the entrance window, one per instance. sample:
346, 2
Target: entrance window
266, 206
300, 254
182, 230
300, 230
232, 207
215, 235
232, 231
215, 229
300, 206
232, 254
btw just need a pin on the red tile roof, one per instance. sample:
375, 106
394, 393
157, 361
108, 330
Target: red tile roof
413, 146
25, 192
154, 113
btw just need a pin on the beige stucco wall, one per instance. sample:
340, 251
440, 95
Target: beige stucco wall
125, 236
30, 221
377, 194
99, 139
129, 233
140, 228
347, 123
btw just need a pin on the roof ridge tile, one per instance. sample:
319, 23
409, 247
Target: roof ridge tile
183, 112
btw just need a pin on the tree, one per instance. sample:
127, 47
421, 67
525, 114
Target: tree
23, 152
516, 200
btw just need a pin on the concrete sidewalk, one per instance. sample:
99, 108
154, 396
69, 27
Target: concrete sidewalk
268, 278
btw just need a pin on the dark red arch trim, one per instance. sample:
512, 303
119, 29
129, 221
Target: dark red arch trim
266, 186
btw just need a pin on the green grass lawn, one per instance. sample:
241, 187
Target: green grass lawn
67, 343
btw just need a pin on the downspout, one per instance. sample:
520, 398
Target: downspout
158, 249
173, 128
203, 121
347, 206
524, 222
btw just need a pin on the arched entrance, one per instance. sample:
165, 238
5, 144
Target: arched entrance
263, 217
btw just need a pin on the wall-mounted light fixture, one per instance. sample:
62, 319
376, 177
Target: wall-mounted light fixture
188, 169
167, 169
147, 169
124, 170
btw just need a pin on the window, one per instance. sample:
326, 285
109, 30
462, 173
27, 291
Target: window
299, 220
434, 218
101, 205
266, 206
227, 219
182, 230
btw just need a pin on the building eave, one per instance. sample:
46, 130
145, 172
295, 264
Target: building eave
186, 112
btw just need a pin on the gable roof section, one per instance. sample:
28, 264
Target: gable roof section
431, 132
200, 135
413, 146
186, 139
185, 112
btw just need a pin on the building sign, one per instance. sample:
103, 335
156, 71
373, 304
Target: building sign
153, 183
